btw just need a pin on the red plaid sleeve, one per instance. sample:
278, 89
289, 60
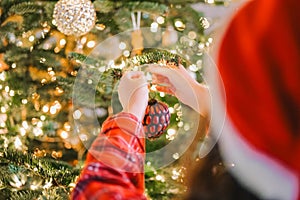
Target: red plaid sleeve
114, 167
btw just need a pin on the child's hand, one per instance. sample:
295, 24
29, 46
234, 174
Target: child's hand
133, 93
178, 82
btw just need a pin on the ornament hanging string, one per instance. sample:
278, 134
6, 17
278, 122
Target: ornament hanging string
136, 23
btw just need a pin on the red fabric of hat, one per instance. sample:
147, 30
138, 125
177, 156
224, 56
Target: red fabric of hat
259, 62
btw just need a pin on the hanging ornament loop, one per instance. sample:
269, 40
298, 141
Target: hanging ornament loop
136, 23
136, 36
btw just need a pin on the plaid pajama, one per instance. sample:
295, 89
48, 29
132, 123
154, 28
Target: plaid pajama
114, 167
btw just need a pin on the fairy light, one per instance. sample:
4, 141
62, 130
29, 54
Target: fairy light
175, 156
162, 94
64, 134
179, 114
186, 127
83, 40
77, 114
34, 187
74, 73
122, 45
14, 65
204, 22
19, 43
153, 88
179, 25
42, 60
62, 42
177, 107
59, 90
57, 50
201, 46
43, 117
175, 174
119, 66
3, 109
5, 142
45, 108
46, 46
24, 101
199, 63
154, 27
102, 69
171, 134
37, 131
160, 20
34, 121
25, 124
193, 68
22, 131
40, 124
67, 126
2, 125
55, 107
18, 182
83, 137
48, 184
126, 53
91, 44
160, 178
6, 89
53, 110
43, 81
18, 144
11, 93
180, 124
51, 73
2, 76
192, 35
31, 38
100, 27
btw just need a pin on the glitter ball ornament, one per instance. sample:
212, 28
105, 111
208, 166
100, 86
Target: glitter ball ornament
156, 120
74, 17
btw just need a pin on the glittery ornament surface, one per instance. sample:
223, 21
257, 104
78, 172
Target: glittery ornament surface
156, 120
74, 17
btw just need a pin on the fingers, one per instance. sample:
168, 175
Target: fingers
134, 77
131, 81
129, 84
159, 79
168, 90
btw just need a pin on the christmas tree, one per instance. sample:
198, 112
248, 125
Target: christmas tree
56, 56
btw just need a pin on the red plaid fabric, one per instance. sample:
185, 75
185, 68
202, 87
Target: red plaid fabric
114, 167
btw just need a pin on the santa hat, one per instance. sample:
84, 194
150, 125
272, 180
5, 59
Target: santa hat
259, 62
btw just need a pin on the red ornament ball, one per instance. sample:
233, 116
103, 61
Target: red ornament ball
156, 120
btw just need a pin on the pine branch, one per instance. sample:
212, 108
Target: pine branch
147, 7
25, 195
85, 60
60, 172
156, 56
23, 8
